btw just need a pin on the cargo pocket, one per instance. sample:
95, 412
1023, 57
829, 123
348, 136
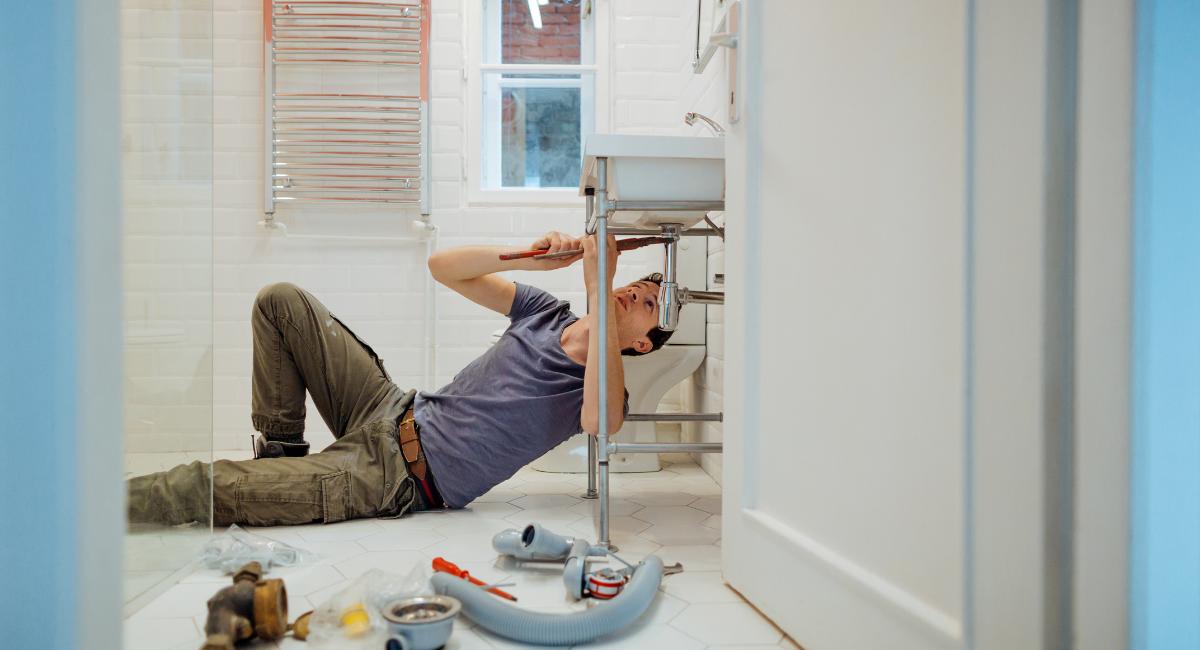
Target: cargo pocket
369, 349
287, 499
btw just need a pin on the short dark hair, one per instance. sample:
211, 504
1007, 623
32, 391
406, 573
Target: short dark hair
656, 335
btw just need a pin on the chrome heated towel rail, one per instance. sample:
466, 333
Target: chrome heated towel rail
346, 102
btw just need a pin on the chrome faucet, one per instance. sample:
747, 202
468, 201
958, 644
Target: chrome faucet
717, 129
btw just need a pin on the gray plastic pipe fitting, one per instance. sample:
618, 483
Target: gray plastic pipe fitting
537, 543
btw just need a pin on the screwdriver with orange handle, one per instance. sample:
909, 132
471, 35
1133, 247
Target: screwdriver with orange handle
622, 245
445, 566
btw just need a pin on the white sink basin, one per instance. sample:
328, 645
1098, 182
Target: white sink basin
656, 168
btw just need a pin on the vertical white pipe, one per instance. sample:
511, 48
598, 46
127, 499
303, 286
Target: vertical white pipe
431, 245
268, 110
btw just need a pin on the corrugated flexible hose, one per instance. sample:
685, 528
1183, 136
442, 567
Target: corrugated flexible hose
539, 628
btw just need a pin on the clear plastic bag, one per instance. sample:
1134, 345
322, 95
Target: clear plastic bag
237, 546
353, 617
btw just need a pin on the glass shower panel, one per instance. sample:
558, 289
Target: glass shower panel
167, 155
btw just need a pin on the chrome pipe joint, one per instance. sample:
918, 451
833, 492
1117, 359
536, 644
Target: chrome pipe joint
701, 297
668, 306
668, 291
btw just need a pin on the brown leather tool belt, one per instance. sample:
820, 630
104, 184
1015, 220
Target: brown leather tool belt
410, 447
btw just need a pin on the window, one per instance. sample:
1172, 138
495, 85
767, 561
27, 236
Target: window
533, 91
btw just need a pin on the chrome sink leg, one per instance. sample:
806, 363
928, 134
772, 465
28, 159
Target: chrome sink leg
591, 465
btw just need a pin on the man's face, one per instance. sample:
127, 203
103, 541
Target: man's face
637, 314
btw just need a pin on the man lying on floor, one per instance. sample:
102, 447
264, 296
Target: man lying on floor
396, 450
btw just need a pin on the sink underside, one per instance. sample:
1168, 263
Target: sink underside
656, 168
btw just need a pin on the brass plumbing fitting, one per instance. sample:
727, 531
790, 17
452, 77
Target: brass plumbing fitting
249, 607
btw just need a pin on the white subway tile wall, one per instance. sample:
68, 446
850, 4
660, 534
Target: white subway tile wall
167, 167
706, 93
378, 288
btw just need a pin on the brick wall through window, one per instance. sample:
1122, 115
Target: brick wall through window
556, 42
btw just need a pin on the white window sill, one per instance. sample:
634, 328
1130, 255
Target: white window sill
566, 197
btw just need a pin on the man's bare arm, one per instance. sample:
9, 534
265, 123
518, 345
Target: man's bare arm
589, 417
471, 270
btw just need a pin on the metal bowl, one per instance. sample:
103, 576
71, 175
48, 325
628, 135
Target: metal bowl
424, 622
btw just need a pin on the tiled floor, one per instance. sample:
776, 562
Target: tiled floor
675, 513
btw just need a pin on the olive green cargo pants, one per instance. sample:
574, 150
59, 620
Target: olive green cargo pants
298, 346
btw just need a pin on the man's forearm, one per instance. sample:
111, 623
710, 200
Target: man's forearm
468, 262
591, 375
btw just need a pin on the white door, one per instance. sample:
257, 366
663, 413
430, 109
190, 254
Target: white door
860, 386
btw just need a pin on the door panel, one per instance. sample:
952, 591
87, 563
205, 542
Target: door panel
848, 525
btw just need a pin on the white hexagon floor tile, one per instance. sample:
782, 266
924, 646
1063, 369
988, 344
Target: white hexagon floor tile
671, 515
334, 552
728, 623
640, 637
465, 548
161, 632
698, 486
699, 587
400, 539
494, 510
499, 495
549, 517
558, 487
546, 500
321, 596
674, 513
672, 534
743, 646
427, 520
634, 548
658, 498
711, 505
401, 562
696, 557
343, 531
531, 475
467, 525
617, 526
591, 507
301, 581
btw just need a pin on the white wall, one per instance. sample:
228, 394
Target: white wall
378, 288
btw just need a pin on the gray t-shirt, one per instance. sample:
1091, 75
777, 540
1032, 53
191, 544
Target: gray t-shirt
522, 398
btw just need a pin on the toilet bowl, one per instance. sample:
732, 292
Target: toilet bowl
647, 378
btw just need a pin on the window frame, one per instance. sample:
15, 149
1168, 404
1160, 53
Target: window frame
481, 13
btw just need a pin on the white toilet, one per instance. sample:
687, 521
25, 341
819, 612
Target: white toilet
647, 377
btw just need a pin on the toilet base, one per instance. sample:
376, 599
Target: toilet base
572, 459
648, 378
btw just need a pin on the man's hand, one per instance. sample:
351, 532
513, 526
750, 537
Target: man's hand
591, 256
556, 242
